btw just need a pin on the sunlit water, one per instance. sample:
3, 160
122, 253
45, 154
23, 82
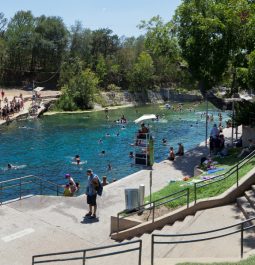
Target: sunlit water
46, 147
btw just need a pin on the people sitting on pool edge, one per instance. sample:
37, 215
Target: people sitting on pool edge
73, 186
67, 191
180, 150
104, 181
171, 156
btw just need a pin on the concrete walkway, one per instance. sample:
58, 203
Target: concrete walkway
41, 224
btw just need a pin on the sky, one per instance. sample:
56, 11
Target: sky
121, 16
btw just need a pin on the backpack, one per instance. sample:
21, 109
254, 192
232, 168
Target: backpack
100, 187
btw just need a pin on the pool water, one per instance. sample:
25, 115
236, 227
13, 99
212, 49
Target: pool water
46, 147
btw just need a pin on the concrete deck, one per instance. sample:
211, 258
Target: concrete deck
39, 224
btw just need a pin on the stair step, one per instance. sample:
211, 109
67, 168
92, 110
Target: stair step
246, 207
250, 195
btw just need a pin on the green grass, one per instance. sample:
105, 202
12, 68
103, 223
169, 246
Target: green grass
249, 261
211, 190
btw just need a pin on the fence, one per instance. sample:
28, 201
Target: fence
186, 192
38, 259
151, 206
234, 170
19, 187
241, 230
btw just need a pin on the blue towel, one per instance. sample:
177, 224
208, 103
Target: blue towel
210, 171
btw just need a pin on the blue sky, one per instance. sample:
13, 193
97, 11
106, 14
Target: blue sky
122, 16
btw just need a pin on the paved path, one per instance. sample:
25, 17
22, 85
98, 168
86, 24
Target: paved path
47, 224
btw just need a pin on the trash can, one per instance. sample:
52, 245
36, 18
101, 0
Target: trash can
132, 199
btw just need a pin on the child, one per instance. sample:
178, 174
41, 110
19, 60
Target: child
67, 191
171, 154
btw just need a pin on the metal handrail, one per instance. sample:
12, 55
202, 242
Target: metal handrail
30, 179
227, 174
84, 252
153, 205
241, 230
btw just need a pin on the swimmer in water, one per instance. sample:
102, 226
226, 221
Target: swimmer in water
131, 154
77, 159
9, 166
109, 167
164, 141
107, 135
103, 152
100, 141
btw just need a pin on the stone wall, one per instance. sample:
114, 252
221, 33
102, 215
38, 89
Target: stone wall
113, 98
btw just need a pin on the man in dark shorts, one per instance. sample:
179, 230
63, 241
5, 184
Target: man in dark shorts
93, 183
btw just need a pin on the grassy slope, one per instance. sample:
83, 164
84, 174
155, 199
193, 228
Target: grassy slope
208, 191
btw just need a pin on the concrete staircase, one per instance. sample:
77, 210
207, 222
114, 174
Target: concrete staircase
247, 203
217, 250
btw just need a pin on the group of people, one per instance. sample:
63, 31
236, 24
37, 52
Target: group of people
180, 152
217, 140
8, 108
72, 187
92, 190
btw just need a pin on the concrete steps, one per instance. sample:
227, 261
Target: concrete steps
247, 203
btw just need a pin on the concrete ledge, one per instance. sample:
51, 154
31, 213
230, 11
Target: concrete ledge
123, 224
226, 198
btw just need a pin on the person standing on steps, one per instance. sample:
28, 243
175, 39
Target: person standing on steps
91, 192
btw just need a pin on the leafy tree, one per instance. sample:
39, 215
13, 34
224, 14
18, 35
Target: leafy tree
251, 69
104, 43
101, 69
81, 43
141, 75
50, 44
83, 88
20, 41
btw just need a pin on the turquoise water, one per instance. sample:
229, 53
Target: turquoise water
46, 147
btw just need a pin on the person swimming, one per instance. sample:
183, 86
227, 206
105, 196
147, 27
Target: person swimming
77, 159
109, 167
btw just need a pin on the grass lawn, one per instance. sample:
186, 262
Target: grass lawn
249, 261
208, 191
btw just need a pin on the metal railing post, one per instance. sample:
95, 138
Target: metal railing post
140, 253
40, 187
242, 240
84, 257
57, 190
188, 198
237, 175
195, 192
118, 223
1, 193
33, 260
152, 249
153, 211
20, 188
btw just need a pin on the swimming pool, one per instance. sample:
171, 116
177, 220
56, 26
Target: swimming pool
46, 147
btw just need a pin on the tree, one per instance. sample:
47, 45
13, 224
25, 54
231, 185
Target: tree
141, 76
101, 69
20, 41
83, 88
81, 43
211, 36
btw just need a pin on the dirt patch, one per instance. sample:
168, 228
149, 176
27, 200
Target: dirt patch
147, 214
